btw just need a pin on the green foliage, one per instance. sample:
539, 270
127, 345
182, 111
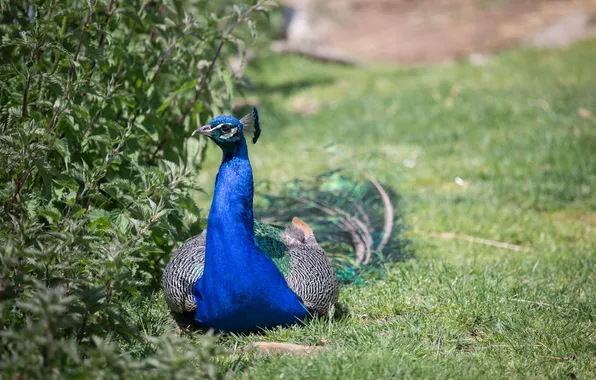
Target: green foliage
97, 102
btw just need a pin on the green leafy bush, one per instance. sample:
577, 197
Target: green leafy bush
97, 102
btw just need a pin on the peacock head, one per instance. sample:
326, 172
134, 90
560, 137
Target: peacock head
226, 130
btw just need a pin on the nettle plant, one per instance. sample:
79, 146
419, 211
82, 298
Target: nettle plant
97, 102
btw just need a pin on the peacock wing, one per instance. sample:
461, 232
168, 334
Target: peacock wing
269, 240
311, 277
182, 272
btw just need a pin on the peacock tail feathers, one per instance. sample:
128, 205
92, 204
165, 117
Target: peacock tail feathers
356, 221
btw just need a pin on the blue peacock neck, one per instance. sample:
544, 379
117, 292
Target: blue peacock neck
241, 288
231, 222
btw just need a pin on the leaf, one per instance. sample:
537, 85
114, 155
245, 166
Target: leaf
252, 28
153, 205
266, 5
227, 78
194, 149
122, 222
70, 198
51, 213
98, 219
67, 182
185, 87
61, 146
47, 173
57, 104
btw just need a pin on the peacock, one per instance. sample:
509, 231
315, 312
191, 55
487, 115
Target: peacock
241, 274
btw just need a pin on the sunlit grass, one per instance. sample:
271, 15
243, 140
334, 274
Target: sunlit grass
511, 131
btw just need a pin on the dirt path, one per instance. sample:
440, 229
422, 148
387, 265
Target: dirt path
417, 31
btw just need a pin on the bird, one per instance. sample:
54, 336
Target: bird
241, 274
244, 274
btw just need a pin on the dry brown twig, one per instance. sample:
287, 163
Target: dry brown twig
476, 240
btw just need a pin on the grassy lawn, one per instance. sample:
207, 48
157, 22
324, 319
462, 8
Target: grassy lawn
511, 131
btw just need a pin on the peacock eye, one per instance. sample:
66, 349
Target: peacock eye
226, 129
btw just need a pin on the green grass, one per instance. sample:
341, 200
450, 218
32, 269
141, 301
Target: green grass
457, 309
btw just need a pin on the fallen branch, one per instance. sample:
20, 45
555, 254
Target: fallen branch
316, 52
472, 239
272, 348
568, 357
535, 303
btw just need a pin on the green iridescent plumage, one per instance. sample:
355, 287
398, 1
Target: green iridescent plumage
269, 240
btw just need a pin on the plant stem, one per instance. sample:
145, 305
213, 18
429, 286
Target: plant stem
108, 16
91, 122
151, 34
80, 44
21, 183
25, 93
37, 51
163, 60
82, 329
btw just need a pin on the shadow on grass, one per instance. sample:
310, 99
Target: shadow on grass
287, 88
186, 322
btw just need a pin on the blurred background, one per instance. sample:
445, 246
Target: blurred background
430, 31
399, 84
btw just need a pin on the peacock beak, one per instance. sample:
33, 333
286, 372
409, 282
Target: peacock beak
206, 130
